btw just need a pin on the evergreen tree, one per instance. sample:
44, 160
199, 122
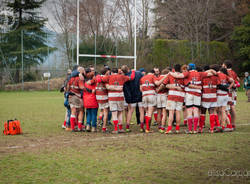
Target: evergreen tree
27, 20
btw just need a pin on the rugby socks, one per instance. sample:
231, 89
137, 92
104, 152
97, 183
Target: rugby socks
115, 124
147, 119
72, 121
212, 121
127, 126
100, 117
185, 122
64, 123
202, 121
177, 128
190, 123
142, 125
155, 116
217, 120
169, 128
230, 121
196, 120
79, 125
120, 126
104, 129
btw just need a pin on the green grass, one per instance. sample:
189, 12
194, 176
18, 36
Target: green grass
47, 154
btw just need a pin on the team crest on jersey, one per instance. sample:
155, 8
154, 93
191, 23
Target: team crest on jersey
116, 83
147, 82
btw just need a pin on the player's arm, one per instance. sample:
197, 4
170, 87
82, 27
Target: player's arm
161, 87
141, 88
141, 85
209, 73
100, 79
173, 86
132, 76
194, 86
177, 75
159, 82
92, 81
114, 88
231, 82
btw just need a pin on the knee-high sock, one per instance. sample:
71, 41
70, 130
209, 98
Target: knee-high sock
230, 121
80, 125
190, 123
147, 119
115, 125
196, 119
202, 121
212, 121
217, 120
72, 121
155, 116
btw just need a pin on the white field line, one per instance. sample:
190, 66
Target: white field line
68, 142
247, 124
105, 138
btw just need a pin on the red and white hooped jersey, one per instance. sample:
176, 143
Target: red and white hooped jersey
75, 85
174, 94
115, 80
223, 80
163, 91
101, 91
209, 88
148, 85
232, 74
193, 77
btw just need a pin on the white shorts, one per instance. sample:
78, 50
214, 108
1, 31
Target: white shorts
140, 104
149, 101
161, 101
208, 105
192, 100
116, 106
222, 101
228, 108
125, 104
172, 105
103, 105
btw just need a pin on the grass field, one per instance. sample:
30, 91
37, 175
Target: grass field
47, 154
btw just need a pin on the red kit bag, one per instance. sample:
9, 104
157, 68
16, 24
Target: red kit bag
12, 127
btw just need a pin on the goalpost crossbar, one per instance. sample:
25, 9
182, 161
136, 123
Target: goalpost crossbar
106, 56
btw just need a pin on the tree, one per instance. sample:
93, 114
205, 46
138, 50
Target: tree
197, 21
241, 42
63, 12
35, 36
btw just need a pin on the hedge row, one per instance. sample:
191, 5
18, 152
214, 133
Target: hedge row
169, 52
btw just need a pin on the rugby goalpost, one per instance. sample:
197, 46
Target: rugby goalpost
104, 56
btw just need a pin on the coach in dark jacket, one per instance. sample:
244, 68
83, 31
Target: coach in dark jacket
131, 89
132, 93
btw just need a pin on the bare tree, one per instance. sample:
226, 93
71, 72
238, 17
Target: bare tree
63, 24
194, 20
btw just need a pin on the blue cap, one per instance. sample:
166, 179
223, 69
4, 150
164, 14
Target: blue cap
142, 70
191, 66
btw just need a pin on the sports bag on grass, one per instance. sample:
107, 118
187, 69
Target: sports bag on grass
12, 127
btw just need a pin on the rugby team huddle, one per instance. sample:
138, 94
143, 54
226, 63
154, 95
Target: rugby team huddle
163, 94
